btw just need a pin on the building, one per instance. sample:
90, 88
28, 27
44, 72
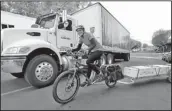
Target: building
11, 20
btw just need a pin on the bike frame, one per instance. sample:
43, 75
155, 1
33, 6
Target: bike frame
77, 67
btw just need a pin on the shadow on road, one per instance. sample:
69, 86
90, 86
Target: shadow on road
150, 82
87, 95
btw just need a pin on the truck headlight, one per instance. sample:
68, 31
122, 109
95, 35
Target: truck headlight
11, 50
17, 50
24, 50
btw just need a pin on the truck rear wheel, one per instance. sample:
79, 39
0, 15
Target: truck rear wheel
110, 58
103, 60
169, 76
18, 75
126, 57
41, 71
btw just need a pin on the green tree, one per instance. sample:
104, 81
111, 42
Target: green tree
145, 45
133, 44
160, 37
35, 9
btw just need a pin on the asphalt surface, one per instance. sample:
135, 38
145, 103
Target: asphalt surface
147, 94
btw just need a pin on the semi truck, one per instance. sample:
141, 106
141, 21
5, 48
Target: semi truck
38, 53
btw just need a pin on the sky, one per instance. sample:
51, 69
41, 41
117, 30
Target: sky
141, 18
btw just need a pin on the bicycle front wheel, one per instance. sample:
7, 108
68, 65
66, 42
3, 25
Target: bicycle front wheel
65, 87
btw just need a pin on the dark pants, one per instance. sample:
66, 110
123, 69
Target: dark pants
90, 62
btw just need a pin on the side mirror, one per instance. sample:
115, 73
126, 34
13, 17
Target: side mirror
34, 26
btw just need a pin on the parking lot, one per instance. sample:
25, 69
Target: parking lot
153, 93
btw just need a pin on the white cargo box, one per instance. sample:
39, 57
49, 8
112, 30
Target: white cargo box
162, 69
146, 71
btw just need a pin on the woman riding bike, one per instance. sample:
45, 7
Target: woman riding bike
70, 79
94, 51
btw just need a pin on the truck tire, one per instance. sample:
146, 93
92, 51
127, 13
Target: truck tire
168, 59
110, 59
163, 58
18, 75
103, 60
126, 57
41, 71
169, 76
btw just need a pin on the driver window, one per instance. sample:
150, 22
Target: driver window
61, 25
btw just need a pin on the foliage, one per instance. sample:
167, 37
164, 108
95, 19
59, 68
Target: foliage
160, 37
134, 44
35, 9
145, 45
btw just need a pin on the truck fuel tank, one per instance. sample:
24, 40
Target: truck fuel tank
68, 62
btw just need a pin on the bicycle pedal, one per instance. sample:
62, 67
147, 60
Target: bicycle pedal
98, 80
94, 82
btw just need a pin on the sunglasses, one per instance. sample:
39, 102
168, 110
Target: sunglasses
79, 30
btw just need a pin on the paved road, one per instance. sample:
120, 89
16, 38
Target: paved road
154, 94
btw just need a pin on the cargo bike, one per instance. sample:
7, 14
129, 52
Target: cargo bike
71, 78
112, 73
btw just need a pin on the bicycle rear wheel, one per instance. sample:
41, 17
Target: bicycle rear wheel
68, 85
110, 81
114, 75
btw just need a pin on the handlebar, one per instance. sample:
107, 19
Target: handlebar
76, 54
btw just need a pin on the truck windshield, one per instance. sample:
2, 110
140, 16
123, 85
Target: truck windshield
47, 22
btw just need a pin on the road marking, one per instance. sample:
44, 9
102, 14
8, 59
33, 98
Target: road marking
3, 94
146, 57
125, 82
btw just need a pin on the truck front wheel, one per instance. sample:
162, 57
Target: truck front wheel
126, 57
18, 75
41, 71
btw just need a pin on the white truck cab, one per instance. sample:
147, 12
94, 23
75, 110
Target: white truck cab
36, 53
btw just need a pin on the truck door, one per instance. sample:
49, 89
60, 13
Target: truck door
65, 36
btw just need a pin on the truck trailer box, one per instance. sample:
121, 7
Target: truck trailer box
108, 30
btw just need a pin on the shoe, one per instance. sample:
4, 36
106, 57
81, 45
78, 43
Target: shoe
87, 82
96, 77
